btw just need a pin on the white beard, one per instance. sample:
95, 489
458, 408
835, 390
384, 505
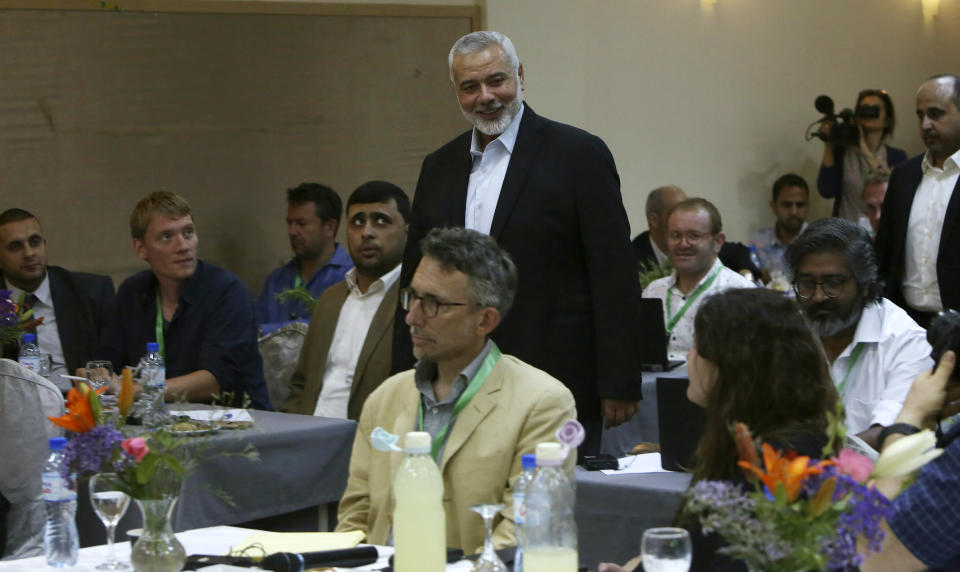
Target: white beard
832, 326
497, 126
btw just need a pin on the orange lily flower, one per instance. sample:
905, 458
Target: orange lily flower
79, 417
783, 470
125, 400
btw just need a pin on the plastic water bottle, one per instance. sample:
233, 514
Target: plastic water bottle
419, 524
60, 540
529, 464
30, 353
549, 530
755, 260
153, 378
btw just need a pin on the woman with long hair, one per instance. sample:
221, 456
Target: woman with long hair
755, 360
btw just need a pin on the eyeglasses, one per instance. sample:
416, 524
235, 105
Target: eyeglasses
429, 304
693, 236
806, 288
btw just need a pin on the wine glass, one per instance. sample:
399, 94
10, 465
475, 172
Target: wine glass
110, 505
99, 373
488, 560
666, 549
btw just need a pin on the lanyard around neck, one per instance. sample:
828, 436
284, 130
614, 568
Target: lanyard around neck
672, 320
854, 356
159, 325
472, 388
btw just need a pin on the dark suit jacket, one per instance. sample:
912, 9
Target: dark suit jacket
561, 217
373, 365
83, 303
892, 237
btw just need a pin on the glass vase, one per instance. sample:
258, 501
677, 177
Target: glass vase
157, 549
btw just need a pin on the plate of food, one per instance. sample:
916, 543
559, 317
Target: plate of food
182, 425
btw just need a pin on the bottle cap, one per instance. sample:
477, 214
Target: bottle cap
550, 454
528, 461
29, 338
153, 347
57, 443
417, 442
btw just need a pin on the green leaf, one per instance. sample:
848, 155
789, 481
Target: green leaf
146, 468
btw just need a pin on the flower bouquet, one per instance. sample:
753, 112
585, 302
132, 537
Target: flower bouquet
147, 466
13, 318
804, 514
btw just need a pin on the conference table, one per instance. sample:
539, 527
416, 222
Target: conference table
304, 463
644, 425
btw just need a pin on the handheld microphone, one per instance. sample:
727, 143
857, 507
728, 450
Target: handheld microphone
347, 557
824, 104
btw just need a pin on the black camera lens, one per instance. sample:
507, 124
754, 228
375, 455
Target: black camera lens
868, 111
944, 334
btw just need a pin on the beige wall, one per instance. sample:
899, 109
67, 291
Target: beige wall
718, 102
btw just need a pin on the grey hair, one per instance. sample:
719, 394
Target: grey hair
844, 238
879, 175
477, 42
655, 198
491, 273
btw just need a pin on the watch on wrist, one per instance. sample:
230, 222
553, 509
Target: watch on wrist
897, 428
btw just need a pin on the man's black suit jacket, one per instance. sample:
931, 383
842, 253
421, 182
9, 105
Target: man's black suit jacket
561, 217
83, 302
891, 241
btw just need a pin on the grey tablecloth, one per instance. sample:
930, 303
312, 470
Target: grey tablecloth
614, 510
304, 462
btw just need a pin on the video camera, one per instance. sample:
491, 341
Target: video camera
845, 130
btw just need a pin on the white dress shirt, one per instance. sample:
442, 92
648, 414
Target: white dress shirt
48, 337
356, 315
920, 287
660, 255
487, 174
895, 351
681, 338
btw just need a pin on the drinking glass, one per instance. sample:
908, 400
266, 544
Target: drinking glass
666, 549
99, 373
488, 560
110, 505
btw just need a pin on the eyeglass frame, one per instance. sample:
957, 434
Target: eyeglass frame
700, 238
407, 295
834, 290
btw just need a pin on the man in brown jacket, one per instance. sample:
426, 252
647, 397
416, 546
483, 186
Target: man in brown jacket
347, 352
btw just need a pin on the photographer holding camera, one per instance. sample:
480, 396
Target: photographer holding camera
853, 148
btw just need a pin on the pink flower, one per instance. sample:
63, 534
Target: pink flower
849, 462
135, 446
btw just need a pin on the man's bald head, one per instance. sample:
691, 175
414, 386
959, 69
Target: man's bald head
659, 203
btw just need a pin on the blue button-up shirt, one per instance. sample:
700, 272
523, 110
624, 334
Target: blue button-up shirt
213, 329
271, 314
928, 511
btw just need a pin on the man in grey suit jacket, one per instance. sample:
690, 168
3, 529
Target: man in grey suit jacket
346, 354
74, 306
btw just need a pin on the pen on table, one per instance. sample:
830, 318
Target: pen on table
73, 377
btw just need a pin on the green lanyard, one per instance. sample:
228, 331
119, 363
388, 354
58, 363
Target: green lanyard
160, 324
854, 356
672, 320
297, 283
472, 388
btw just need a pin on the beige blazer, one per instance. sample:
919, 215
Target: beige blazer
517, 407
373, 365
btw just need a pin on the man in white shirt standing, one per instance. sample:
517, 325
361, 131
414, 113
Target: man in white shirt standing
918, 243
347, 352
873, 347
694, 238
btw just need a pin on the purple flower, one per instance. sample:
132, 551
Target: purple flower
87, 453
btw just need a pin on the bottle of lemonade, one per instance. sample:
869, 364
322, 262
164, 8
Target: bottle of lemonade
550, 531
419, 525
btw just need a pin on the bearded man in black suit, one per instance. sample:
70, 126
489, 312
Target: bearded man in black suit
550, 194
71, 307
